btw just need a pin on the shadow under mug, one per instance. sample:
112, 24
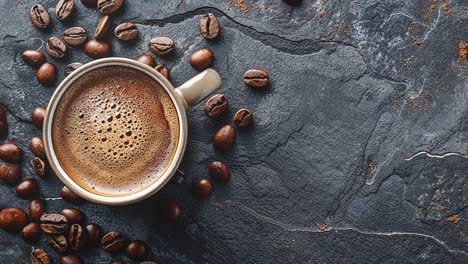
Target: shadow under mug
183, 97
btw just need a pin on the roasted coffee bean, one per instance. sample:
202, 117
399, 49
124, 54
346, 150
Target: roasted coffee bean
169, 210
70, 196
117, 262
71, 68
136, 250
57, 242
27, 189
46, 74
126, 31
148, 262
74, 216
146, 59
162, 46
54, 223
293, 2
97, 49
2, 113
201, 59
33, 57
13, 219
31, 232
89, 3
256, 78
75, 36
40, 166
37, 147
224, 138
3, 129
40, 256
56, 48
163, 70
102, 27
209, 26
64, 9
107, 7
10, 152
76, 237
219, 171
10, 173
112, 241
70, 260
243, 118
39, 16
36, 210
216, 106
202, 188
37, 116
93, 234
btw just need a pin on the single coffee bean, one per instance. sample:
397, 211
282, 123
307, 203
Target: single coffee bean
13, 219
27, 189
9, 151
148, 262
37, 147
117, 262
136, 250
38, 115
256, 78
56, 48
40, 256
74, 216
75, 36
2, 113
201, 59
169, 210
97, 49
70, 196
76, 237
31, 232
70, 260
202, 188
46, 74
126, 31
243, 118
163, 70
33, 57
3, 129
71, 68
107, 7
64, 9
146, 59
89, 3
219, 171
102, 27
216, 106
36, 210
39, 16
162, 46
293, 2
10, 173
93, 234
209, 26
112, 241
224, 138
40, 166
54, 223
57, 242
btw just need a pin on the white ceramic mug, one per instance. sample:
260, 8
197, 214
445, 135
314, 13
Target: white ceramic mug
183, 97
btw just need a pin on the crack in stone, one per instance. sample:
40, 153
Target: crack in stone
436, 156
12, 113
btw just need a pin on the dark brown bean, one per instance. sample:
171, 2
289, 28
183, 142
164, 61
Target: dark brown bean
31, 232
54, 223
40, 256
243, 118
57, 242
9, 151
97, 49
216, 106
202, 188
37, 147
10, 173
169, 210
56, 48
3, 113
256, 78
209, 26
93, 234
148, 262
46, 74
70, 260
224, 138
27, 189
76, 237
71, 68
202, 59
64, 9
74, 216
126, 31
39, 16
36, 210
3, 129
219, 171
37, 116
163, 70
107, 7
146, 59
102, 27
13, 219
75, 36
70, 196
112, 241
162, 46
117, 262
136, 250
40, 166
33, 57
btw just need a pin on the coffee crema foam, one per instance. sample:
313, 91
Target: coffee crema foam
115, 131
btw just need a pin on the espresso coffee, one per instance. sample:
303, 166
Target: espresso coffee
115, 131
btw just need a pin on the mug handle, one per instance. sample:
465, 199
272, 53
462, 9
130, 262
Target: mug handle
199, 87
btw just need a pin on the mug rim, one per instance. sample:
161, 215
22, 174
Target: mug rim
153, 187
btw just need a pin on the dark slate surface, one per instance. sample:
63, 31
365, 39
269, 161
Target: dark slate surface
358, 153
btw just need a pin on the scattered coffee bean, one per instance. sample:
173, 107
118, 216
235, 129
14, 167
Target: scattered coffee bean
75, 36
89, 3
243, 118
3, 129
102, 27
97, 49
40, 256
169, 210
40, 166
163, 70
10, 173
70, 196
146, 59
126, 31
148, 262
10, 152
76, 237
136, 250
71, 68
54, 223
36, 210
39, 16
162, 46
93, 234
57, 242
224, 138
201, 59
38, 115
46, 74
33, 57
256, 78
27, 189
112, 241
209, 26
31, 232
216, 106
64, 9
2, 113
107, 7
293, 2
56, 48
117, 262
13, 219
74, 216
219, 171
37, 147
70, 260
202, 188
